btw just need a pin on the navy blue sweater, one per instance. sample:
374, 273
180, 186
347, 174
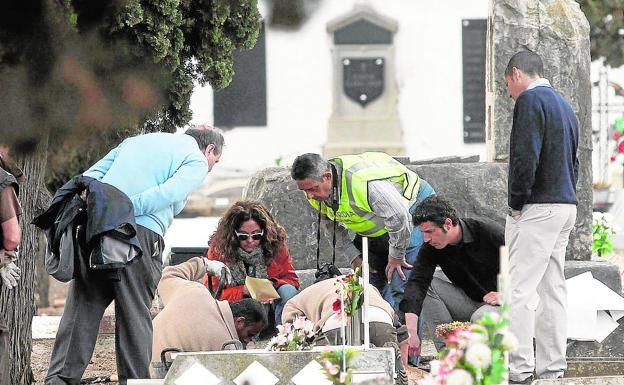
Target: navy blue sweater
543, 166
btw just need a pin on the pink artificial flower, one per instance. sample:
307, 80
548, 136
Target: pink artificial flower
331, 368
452, 357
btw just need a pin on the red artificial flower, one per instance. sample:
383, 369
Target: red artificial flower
336, 305
616, 135
620, 147
613, 158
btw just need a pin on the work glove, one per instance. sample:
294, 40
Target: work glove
10, 274
217, 268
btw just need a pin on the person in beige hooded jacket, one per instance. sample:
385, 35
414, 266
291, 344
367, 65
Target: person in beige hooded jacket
316, 304
192, 320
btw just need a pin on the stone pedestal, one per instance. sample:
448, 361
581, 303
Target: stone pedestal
364, 111
275, 367
559, 32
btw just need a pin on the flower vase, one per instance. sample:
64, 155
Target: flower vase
355, 329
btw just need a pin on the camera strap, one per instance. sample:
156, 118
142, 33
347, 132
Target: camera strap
334, 207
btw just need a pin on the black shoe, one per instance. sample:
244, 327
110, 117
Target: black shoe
526, 381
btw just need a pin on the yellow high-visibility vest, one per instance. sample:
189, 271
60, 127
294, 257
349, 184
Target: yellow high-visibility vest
356, 172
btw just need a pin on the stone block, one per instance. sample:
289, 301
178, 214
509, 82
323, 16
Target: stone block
604, 271
473, 188
595, 367
228, 365
611, 380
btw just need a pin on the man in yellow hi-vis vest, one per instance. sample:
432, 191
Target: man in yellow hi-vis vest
372, 195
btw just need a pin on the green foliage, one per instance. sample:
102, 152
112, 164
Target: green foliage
194, 39
82, 69
353, 293
337, 365
606, 20
603, 231
475, 355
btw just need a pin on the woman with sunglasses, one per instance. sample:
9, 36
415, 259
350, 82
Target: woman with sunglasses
251, 243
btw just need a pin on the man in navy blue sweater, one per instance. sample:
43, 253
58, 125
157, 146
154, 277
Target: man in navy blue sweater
543, 170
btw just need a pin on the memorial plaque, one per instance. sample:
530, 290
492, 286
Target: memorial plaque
363, 79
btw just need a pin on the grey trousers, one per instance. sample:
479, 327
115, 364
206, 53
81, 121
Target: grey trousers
446, 303
537, 245
90, 292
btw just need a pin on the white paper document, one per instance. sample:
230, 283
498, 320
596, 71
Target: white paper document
593, 308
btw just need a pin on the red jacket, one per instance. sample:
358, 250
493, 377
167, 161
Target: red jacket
280, 271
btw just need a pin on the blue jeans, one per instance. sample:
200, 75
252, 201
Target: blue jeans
393, 292
285, 292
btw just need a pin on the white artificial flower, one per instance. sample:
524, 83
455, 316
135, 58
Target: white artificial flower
308, 329
272, 343
479, 355
429, 380
435, 367
495, 316
473, 337
596, 215
281, 339
608, 217
299, 323
509, 341
459, 377
280, 329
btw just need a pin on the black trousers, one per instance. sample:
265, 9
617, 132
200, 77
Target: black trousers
90, 292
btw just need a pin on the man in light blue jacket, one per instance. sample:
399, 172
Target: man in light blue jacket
157, 172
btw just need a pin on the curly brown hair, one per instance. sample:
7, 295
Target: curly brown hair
225, 242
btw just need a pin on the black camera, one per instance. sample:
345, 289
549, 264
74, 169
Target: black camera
327, 271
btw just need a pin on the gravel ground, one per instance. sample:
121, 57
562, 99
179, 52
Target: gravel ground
102, 363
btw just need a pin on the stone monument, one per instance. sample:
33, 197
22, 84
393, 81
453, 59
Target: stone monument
364, 109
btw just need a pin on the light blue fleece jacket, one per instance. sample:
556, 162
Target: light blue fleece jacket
157, 171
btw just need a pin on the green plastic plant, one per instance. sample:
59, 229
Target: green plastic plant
337, 365
603, 230
475, 356
353, 292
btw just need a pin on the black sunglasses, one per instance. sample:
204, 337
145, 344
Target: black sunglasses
254, 236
